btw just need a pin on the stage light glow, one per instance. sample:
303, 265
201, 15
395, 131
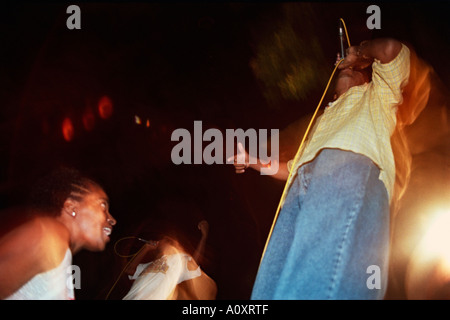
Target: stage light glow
436, 240
105, 107
428, 270
137, 120
67, 129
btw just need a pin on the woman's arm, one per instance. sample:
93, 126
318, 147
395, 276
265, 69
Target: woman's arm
204, 229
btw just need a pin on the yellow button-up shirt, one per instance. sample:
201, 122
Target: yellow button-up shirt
363, 119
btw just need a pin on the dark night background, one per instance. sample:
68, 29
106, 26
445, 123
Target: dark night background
172, 64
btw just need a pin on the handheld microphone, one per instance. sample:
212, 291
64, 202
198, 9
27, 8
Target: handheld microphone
150, 242
341, 38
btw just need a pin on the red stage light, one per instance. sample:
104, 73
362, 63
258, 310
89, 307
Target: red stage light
105, 107
67, 129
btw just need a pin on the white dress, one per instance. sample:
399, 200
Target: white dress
54, 284
156, 280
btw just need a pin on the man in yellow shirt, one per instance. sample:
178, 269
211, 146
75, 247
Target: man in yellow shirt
331, 238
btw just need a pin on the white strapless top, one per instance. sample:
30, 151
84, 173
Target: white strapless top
54, 284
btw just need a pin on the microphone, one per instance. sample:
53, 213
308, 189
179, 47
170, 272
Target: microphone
150, 242
341, 38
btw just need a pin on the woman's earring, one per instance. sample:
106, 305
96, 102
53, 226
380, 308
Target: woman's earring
74, 213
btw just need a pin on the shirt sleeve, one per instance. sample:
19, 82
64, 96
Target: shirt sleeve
389, 78
187, 274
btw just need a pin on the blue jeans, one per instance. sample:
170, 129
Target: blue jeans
334, 225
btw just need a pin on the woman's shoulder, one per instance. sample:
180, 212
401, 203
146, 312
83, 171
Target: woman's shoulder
44, 237
34, 246
51, 233
42, 228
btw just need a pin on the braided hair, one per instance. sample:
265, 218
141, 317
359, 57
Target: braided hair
49, 193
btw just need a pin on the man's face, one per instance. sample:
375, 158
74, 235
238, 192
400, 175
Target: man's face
348, 78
